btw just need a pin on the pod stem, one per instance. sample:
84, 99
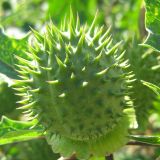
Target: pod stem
73, 157
109, 157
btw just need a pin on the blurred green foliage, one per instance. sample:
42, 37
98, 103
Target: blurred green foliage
21, 13
153, 24
31, 150
128, 23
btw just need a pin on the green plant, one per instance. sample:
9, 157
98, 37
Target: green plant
76, 85
145, 65
70, 65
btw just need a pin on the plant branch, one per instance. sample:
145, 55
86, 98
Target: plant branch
136, 143
129, 143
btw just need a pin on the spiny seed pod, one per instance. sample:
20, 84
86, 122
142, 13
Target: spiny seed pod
145, 64
75, 83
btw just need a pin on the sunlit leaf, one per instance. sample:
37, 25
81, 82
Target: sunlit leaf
14, 131
11, 47
8, 49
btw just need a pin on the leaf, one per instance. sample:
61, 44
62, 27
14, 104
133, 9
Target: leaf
9, 47
8, 97
7, 70
153, 140
15, 131
153, 24
153, 87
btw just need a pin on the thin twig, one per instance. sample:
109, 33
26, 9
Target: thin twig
129, 143
135, 143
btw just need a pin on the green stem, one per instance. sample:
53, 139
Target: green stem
109, 157
73, 157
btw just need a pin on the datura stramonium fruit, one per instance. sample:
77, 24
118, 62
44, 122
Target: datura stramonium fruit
75, 83
145, 64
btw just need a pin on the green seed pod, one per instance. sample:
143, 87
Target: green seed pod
75, 83
145, 64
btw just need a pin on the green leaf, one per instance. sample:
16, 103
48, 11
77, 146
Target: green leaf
7, 70
14, 131
153, 87
153, 24
8, 98
153, 140
9, 47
